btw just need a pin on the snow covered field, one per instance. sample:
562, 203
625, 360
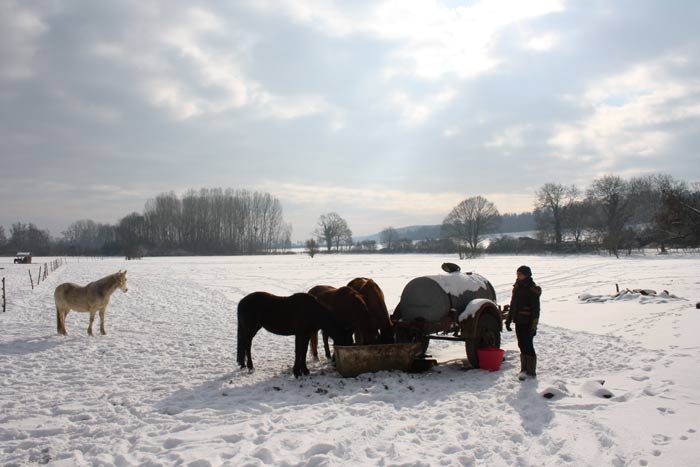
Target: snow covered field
162, 387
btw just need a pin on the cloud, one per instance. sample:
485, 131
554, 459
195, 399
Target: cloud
368, 208
188, 72
432, 40
408, 106
630, 114
20, 31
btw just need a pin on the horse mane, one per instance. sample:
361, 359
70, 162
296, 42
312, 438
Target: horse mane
351, 293
107, 280
369, 283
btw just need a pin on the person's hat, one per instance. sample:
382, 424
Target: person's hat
525, 270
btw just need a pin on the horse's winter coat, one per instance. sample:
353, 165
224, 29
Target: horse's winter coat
91, 298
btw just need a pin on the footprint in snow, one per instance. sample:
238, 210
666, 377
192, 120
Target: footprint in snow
555, 392
660, 440
595, 388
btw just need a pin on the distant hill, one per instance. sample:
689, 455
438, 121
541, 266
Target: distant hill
509, 223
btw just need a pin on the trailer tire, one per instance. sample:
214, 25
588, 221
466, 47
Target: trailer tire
488, 334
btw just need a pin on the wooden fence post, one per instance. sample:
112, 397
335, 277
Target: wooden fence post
30, 278
4, 296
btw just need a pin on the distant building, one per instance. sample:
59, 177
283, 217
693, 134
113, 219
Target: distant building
23, 257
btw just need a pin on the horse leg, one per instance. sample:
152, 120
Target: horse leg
64, 315
249, 355
326, 347
61, 317
58, 320
102, 321
241, 344
249, 347
314, 345
92, 320
301, 346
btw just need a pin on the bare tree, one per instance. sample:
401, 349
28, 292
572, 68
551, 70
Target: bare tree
86, 236
333, 231
311, 247
610, 195
3, 238
470, 220
577, 221
345, 237
551, 204
28, 237
388, 237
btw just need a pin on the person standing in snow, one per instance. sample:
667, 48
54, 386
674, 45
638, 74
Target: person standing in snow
524, 310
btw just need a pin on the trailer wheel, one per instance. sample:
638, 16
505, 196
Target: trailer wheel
488, 334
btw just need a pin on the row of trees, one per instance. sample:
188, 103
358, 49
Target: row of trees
612, 214
25, 237
619, 215
206, 221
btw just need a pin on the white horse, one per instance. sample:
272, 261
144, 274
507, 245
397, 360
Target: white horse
92, 298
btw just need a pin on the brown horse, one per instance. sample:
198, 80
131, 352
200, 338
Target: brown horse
379, 314
92, 298
299, 315
351, 311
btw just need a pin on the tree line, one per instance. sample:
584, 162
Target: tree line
205, 222
619, 215
613, 215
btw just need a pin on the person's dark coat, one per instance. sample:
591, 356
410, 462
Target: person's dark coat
525, 304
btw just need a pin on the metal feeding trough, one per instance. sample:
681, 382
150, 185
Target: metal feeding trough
357, 359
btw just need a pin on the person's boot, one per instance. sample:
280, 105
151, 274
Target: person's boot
523, 368
531, 365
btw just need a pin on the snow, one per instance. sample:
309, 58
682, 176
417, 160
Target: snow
472, 307
457, 283
162, 387
641, 295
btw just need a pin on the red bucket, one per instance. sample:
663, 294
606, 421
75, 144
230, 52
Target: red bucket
490, 358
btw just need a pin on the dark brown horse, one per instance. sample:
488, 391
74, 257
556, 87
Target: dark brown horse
379, 314
299, 315
351, 311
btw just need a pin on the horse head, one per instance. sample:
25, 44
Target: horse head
336, 329
374, 297
359, 314
121, 281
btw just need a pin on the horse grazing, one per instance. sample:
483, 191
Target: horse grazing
378, 312
349, 309
92, 298
299, 315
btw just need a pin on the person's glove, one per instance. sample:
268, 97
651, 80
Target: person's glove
508, 328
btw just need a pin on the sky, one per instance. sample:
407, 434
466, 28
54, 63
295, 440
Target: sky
387, 112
